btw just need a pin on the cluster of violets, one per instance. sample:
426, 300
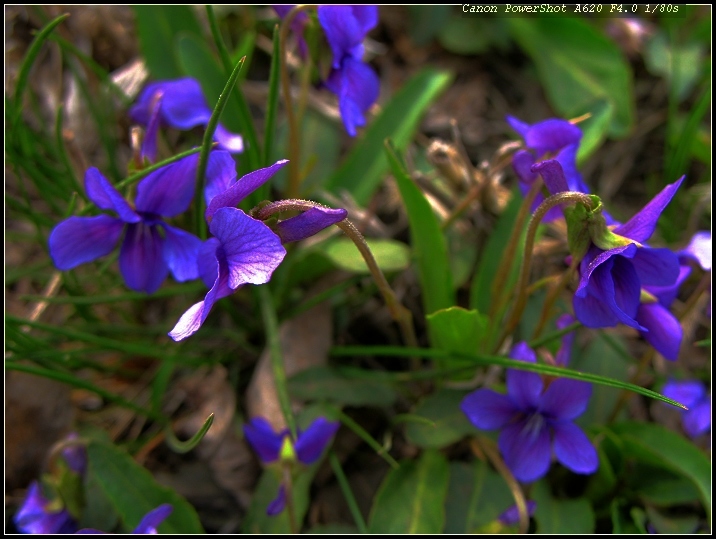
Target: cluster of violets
40, 514
629, 282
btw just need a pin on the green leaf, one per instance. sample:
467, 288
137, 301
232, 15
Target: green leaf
411, 498
325, 383
366, 164
158, 27
391, 255
427, 240
663, 487
555, 516
476, 497
594, 129
133, 491
658, 445
456, 329
447, 422
578, 67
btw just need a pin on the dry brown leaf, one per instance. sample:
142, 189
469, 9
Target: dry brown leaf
305, 341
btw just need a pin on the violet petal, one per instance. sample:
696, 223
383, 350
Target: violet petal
141, 258
489, 410
168, 191
105, 196
265, 441
641, 226
77, 240
664, 330
311, 442
573, 449
565, 399
181, 250
153, 519
309, 223
525, 447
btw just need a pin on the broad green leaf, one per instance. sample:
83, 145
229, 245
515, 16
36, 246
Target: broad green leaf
366, 164
133, 491
448, 423
660, 486
578, 66
158, 28
391, 255
427, 240
411, 498
325, 383
658, 445
456, 329
476, 497
555, 516
594, 129
481, 290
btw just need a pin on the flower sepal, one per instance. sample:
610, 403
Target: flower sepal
287, 454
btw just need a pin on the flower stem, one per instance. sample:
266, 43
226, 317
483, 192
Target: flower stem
400, 314
279, 372
288, 485
294, 148
521, 300
346, 489
485, 446
503, 271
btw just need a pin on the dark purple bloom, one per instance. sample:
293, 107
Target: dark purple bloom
148, 524
308, 447
511, 516
549, 139
611, 281
535, 421
150, 248
694, 395
36, 516
353, 81
180, 104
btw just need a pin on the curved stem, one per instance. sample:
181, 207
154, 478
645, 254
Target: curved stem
294, 152
521, 300
400, 314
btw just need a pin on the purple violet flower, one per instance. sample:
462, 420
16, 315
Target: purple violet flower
353, 81
244, 250
552, 138
308, 447
611, 281
694, 395
535, 421
181, 104
37, 516
511, 516
150, 248
148, 524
